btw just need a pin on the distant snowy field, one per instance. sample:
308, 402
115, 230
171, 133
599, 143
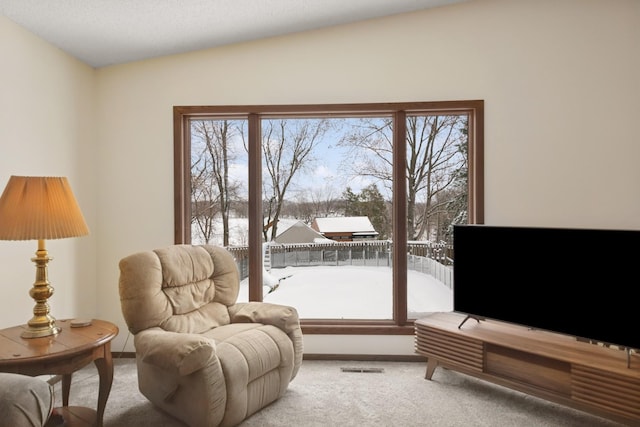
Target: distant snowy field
350, 292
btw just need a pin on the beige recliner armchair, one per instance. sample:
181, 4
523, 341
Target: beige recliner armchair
201, 356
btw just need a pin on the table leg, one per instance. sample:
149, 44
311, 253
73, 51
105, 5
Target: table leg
66, 388
105, 371
432, 363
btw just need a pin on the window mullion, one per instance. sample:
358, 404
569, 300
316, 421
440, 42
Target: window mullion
400, 218
255, 208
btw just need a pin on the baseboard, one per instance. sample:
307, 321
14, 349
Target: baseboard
366, 357
322, 356
124, 355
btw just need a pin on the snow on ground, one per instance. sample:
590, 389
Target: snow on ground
350, 292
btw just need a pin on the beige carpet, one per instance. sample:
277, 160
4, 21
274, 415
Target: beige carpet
323, 395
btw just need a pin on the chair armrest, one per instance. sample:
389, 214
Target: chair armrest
281, 316
183, 352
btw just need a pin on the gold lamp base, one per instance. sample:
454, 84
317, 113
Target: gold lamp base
36, 331
41, 324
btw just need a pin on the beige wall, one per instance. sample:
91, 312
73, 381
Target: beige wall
47, 128
559, 80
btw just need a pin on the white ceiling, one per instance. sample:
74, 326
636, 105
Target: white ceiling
107, 32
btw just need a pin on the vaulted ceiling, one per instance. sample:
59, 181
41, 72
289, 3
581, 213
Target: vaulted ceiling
107, 32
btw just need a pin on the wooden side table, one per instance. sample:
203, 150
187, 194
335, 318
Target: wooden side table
63, 354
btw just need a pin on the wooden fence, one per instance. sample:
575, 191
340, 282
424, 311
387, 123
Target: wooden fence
425, 257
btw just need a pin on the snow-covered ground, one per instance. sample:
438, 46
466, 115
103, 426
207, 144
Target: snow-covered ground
350, 292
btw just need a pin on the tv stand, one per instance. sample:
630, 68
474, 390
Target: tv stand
593, 378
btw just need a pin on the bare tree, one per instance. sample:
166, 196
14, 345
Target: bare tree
212, 188
203, 200
432, 165
458, 202
433, 159
324, 201
287, 146
371, 149
312, 202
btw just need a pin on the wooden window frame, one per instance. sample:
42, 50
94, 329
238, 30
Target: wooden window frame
400, 324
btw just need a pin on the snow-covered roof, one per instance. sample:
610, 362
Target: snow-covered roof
284, 224
350, 224
299, 232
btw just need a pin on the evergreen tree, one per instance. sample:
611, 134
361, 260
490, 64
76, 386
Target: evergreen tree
351, 203
371, 204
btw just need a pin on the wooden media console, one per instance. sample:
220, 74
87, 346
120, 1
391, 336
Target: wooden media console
593, 378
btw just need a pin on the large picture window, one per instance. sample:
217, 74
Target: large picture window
342, 211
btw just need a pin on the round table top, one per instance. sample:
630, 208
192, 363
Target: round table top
68, 342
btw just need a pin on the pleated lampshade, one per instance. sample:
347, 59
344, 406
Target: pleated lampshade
39, 208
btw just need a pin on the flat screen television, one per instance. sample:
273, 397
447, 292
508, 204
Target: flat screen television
579, 282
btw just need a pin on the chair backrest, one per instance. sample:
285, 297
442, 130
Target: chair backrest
180, 288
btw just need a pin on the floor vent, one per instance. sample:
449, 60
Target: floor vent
374, 370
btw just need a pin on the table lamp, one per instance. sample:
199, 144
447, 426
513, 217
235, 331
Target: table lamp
40, 208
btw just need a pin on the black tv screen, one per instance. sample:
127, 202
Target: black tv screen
579, 282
